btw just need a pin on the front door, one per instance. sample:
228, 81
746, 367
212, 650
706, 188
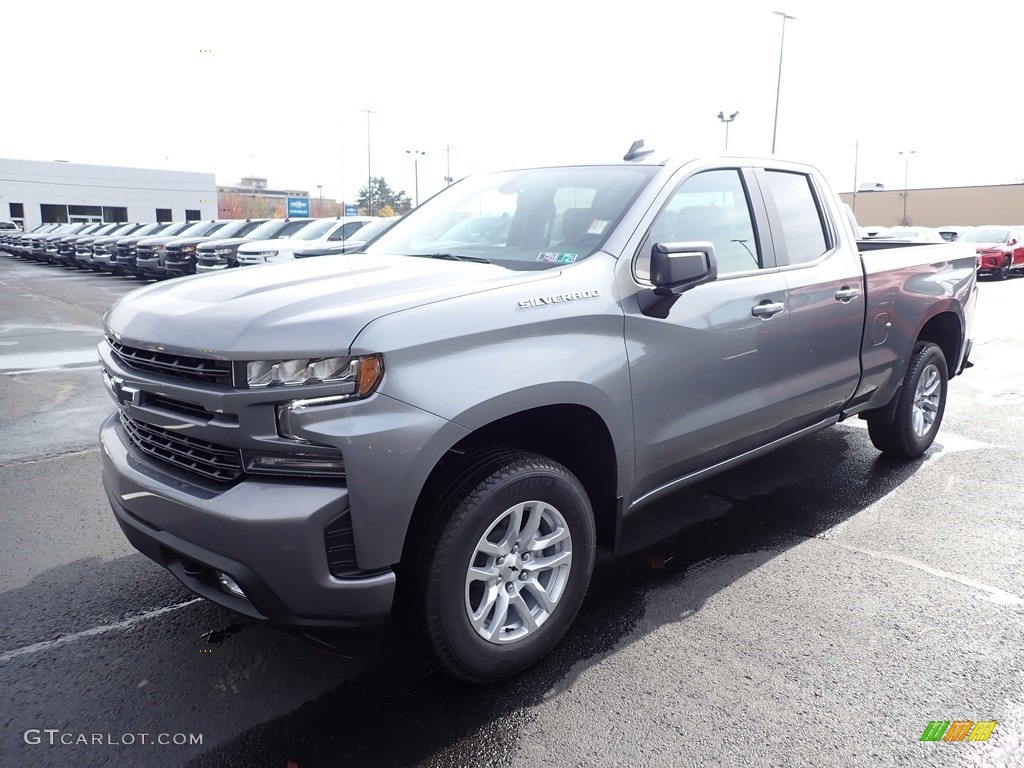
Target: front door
705, 365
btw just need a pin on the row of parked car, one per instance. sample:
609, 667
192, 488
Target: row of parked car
1000, 248
171, 249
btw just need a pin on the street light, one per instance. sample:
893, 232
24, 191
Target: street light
369, 165
906, 175
416, 170
320, 206
727, 120
448, 155
778, 85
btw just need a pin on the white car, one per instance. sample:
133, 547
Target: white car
317, 231
915, 235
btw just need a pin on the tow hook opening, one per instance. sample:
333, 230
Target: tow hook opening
230, 586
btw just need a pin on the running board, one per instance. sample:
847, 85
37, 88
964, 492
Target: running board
693, 477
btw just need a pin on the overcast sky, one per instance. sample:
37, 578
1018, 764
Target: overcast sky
277, 89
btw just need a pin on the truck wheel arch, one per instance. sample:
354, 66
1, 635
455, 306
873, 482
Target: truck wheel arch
571, 434
945, 329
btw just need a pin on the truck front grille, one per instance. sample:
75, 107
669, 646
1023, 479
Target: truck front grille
217, 462
176, 366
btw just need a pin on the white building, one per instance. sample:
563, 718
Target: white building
34, 192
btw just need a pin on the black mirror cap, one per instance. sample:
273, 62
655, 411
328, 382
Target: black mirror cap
678, 267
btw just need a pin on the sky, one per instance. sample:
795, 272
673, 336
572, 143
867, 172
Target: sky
281, 90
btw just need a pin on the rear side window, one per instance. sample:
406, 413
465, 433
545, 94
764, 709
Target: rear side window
803, 229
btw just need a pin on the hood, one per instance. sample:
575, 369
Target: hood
157, 240
330, 249
979, 247
308, 308
224, 242
186, 241
274, 243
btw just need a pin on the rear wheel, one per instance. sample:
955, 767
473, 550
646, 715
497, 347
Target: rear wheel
502, 566
921, 403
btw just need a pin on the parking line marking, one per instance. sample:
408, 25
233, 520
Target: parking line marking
128, 623
70, 367
995, 594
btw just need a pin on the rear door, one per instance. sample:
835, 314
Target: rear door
825, 293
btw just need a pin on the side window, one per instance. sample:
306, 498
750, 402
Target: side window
803, 229
711, 206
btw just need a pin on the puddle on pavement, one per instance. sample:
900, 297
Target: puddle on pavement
35, 360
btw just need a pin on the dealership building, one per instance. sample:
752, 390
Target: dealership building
36, 192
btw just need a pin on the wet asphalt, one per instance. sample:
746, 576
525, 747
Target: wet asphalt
816, 607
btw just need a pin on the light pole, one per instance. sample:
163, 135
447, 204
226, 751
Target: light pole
906, 176
727, 120
320, 206
369, 165
856, 157
778, 85
448, 171
416, 171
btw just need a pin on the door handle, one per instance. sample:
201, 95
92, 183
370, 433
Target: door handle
767, 308
846, 293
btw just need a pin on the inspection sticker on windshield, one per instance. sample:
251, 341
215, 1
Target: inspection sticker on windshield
597, 227
558, 258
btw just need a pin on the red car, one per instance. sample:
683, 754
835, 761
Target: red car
1000, 249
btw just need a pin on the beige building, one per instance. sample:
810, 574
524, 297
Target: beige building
942, 206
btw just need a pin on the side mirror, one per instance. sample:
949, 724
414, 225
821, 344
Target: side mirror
678, 267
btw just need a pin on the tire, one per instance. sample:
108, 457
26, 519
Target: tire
1004, 270
476, 593
921, 403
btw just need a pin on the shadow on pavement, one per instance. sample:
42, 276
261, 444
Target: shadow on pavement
404, 712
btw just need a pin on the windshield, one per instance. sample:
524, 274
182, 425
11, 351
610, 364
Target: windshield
106, 228
229, 228
177, 228
125, 229
267, 229
314, 230
371, 230
533, 219
199, 228
150, 229
985, 236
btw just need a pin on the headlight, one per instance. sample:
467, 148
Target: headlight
190, 249
158, 247
361, 374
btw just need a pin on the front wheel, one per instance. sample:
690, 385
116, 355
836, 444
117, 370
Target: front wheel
922, 401
503, 565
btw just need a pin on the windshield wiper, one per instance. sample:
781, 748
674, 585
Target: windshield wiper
451, 257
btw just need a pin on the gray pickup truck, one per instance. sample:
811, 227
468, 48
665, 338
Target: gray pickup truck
443, 429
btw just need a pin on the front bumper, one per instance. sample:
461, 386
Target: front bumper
106, 262
266, 534
148, 268
179, 268
207, 265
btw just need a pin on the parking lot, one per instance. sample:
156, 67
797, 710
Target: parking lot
819, 606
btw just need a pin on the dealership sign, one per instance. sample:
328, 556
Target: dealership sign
298, 206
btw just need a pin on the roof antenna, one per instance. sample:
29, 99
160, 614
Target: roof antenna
636, 151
